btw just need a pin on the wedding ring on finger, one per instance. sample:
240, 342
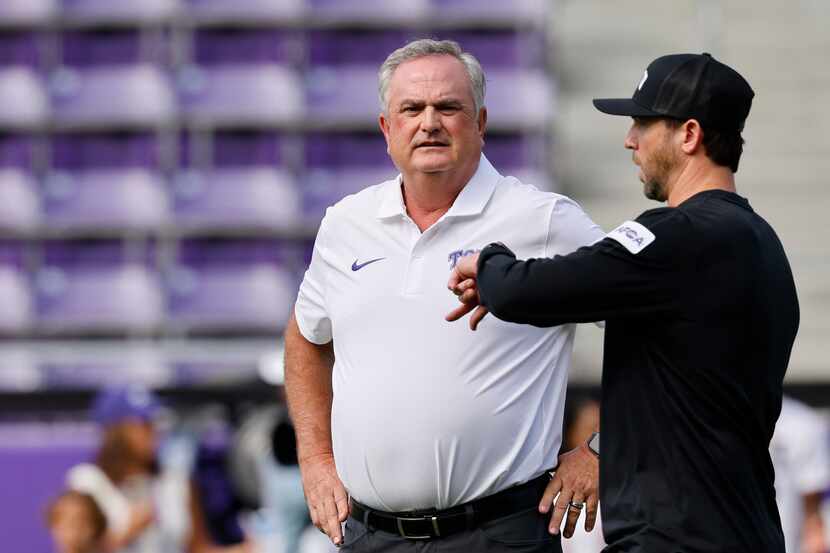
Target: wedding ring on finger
577, 506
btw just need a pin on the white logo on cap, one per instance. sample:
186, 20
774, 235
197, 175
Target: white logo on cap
643, 81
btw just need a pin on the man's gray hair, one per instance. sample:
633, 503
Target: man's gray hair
428, 47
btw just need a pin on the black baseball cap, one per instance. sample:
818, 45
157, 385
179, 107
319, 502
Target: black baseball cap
688, 86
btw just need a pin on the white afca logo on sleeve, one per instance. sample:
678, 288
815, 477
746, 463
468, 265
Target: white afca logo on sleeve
634, 236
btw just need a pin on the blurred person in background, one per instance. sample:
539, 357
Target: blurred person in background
800, 450
147, 510
76, 523
581, 423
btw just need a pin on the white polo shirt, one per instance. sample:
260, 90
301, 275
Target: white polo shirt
427, 413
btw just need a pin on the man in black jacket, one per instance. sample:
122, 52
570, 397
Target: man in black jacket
701, 315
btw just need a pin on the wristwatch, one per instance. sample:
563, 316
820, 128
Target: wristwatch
593, 443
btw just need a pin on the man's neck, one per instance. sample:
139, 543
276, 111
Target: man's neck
428, 196
699, 177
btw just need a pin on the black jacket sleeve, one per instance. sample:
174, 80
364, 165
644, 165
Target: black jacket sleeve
599, 282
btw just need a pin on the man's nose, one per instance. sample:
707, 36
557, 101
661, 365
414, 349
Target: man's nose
630, 142
431, 120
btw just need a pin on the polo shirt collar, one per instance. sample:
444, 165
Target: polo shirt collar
470, 201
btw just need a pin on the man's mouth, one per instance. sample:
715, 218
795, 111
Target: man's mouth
431, 144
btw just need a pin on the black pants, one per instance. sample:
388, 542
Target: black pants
522, 532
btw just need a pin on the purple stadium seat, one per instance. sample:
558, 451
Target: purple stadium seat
241, 285
47, 451
519, 99
265, 94
16, 151
88, 49
27, 13
235, 46
25, 103
93, 287
342, 164
84, 151
120, 11
22, 48
130, 95
17, 314
260, 197
341, 84
129, 199
19, 205
511, 151
485, 11
246, 11
375, 11
503, 48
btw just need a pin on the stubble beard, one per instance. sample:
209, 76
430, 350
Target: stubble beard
655, 186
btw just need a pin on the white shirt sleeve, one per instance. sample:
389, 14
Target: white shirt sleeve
89, 479
805, 437
310, 309
570, 228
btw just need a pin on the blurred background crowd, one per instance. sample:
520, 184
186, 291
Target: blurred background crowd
163, 168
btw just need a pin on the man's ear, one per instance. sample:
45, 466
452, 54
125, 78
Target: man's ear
692, 137
383, 123
482, 122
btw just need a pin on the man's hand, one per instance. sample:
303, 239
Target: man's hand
575, 480
328, 502
462, 283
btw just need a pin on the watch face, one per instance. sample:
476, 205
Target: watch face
593, 443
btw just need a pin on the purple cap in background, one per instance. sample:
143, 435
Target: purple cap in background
114, 405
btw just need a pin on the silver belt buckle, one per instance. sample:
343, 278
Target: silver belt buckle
402, 532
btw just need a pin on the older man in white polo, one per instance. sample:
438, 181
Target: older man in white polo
411, 430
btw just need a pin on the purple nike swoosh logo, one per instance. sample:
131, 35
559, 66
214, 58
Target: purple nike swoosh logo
357, 266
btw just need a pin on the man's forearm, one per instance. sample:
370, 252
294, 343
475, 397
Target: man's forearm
308, 391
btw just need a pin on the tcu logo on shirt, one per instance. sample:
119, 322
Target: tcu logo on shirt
458, 254
634, 236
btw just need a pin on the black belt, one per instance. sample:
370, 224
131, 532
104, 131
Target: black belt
428, 524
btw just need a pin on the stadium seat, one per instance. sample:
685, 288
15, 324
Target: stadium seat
17, 314
21, 48
246, 11
124, 199
523, 156
241, 95
115, 150
93, 288
19, 204
368, 11
342, 78
27, 13
230, 286
245, 197
456, 12
519, 92
519, 99
109, 11
16, 151
342, 164
25, 104
116, 96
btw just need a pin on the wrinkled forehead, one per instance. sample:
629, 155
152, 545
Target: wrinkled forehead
430, 78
